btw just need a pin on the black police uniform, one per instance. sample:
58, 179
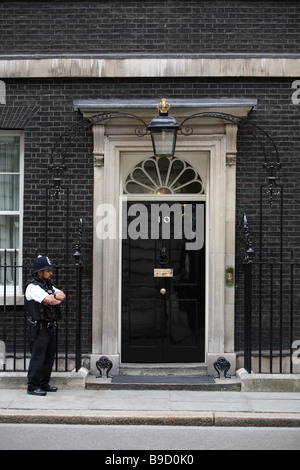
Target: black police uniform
41, 332
41, 335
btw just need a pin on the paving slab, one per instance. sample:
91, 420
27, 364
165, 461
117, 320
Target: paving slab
213, 406
61, 400
274, 402
152, 407
8, 396
130, 400
212, 397
205, 401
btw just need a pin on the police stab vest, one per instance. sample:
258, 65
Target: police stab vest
39, 311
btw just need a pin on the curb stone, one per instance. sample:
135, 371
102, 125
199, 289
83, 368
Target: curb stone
219, 419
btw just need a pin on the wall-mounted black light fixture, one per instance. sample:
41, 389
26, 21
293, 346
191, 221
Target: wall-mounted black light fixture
163, 130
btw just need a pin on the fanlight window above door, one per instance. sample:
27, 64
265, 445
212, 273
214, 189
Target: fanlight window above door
163, 176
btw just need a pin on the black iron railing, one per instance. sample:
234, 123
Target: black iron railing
271, 311
14, 274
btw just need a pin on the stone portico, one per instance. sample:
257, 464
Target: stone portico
113, 140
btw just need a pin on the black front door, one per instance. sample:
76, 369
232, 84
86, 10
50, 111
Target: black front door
163, 283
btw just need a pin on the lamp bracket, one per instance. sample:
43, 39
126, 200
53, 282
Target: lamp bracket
57, 166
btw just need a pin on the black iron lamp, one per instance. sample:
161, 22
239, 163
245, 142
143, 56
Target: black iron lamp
163, 130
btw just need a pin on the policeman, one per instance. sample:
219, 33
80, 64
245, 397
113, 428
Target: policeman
42, 301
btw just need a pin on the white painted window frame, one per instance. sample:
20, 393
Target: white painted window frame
10, 289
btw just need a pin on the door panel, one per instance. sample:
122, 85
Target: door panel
158, 326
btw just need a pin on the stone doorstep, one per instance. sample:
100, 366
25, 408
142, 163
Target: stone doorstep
167, 369
83, 379
64, 380
147, 382
268, 382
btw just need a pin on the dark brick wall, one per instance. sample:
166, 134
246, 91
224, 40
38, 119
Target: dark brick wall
44, 108
52, 102
149, 27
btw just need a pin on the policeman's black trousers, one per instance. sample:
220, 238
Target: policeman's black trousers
42, 348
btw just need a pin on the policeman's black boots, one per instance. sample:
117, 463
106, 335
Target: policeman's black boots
40, 391
49, 388
31, 390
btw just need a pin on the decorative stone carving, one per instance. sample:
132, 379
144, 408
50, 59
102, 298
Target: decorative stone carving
231, 133
230, 160
98, 131
99, 160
